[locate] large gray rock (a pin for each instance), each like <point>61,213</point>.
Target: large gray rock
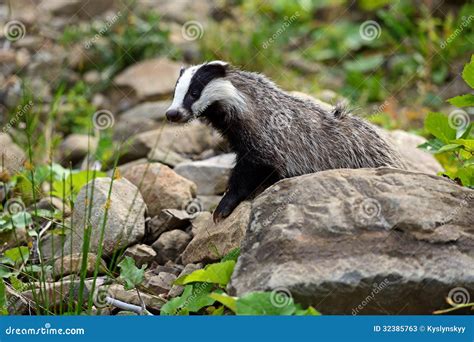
<point>367,241</point>
<point>125,223</point>
<point>151,79</point>
<point>213,241</point>
<point>76,146</point>
<point>210,175</point>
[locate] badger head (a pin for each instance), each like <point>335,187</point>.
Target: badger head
<point>200,86</point>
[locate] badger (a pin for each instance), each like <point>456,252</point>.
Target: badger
<point>274,134</point>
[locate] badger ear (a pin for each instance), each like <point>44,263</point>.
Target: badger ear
<point>218,68</point>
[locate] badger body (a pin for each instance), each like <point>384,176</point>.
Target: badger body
<point>274,134</point>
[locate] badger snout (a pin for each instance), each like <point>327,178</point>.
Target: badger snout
<point>174,115</point>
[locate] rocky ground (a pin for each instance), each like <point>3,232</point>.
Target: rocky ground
<point>344,241</point>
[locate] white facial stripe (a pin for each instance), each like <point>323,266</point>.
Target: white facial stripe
<point>183,86</point>
<point>219,90</point>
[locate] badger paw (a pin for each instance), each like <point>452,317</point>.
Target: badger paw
<point>223,210</point>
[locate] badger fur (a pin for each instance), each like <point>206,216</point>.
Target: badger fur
<point>274,134</point>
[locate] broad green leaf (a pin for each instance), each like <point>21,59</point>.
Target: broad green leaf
<point>75,181</point>
<point>230,302</point>
<point>462,100</point>
<point>467,143</point>
<point>438,125</point>
<point>5,272</point>
<point>310,311</point>
<point>219,311</point>
<point>264,303</point>
<point>3,298</point>
<point>131,274</point>
<point>194,298</point>
<point>449,147</point>
<point>432,145</point>
<point>468,73</point>
<point>232,255</point>
<point>18,254</point>
<point>218,273</point>
<point>464,174</point>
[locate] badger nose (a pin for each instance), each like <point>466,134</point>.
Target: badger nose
<point>173,115</point>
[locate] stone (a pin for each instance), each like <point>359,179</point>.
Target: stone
<point>210,175</point>
<point>167,219</point>
<point>335,238</point>
<point>148,110</point>
<point>71,264</point>
<point>13,238</point>
<point>53,203</point>
<point>415,158</point>
<point>170,245</point>
<point>125,129</point>
<point>161,187</point>
<point>151,79</point>
<point>213,241</point>
<point>169,157</point>
<point>12,156</point>
<point>117,291</point>
<point>189,139</point>
<point>83,8</point>
<point>208,202</point>
<point>125,223</point>
<point>160,284</point>
<point>142,254</point>
<point>76,146</point>
<point>177,290</point>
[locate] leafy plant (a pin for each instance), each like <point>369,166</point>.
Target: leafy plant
<point>205,287</point>
<point>131,274</point>
<point>453,141</point>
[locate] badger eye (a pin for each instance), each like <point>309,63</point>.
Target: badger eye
<point>194,93</point>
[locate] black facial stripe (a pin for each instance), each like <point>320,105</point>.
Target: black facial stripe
<point>200,80</point>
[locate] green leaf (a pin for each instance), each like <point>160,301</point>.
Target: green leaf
<point>218,273</point>
<point>131,274</point>
<point>466,100</point>
<point>464,174</point>
<point>5,272</point>
<point>194,298</point>
<point>438,125</point>
<point>232,255</point>
<point>18,254</point>
<point>467,143</point>
<point>449,147</point>
<point>75,181</point>
<point>264,303</point>
<point>310,311</point>
<point>432,145</point>
<point>3,298</point>
<point>228,301</point>
<point>468,73</point>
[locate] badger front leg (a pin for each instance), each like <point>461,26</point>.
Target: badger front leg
<point>245,180</point>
